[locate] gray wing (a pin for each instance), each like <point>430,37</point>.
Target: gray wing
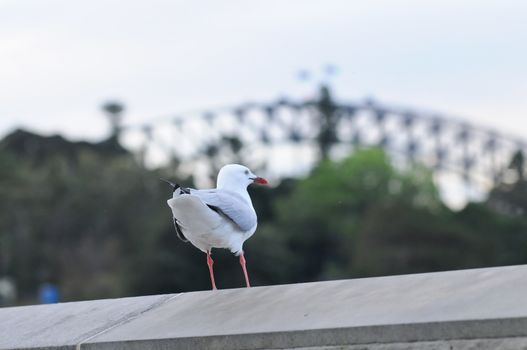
<point>230,204</point>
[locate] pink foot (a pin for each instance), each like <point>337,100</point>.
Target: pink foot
<point>210,262</point>
<point>243,263</point>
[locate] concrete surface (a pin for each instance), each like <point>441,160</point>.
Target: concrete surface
<point>480,344</point>
<point>467,309</point>
<point>67,324</point>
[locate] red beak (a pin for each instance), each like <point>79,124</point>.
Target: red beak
<point>260,180</point>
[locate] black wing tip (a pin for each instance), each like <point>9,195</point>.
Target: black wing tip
<point>174,185</point>
<point>179,231</point>
<point>216,209</point>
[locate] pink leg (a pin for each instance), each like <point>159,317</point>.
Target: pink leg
<point>243,263</point>
<point>210,262</point>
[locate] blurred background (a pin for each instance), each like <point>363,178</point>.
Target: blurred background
<point>393,133</point>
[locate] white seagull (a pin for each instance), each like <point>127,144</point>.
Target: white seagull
<point>223,217</point>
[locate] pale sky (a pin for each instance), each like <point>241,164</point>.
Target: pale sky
<point>60,59</point>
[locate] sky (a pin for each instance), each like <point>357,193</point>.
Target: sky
<point>61,59</point>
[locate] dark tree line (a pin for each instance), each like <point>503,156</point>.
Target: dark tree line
<point>92,220</point>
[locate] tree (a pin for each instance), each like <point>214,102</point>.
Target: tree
<point>510,198</point>
<point>362,217</point>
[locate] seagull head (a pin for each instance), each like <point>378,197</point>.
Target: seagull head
<point>234,176</point>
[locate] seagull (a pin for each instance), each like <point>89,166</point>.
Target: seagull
<point>223,217</point>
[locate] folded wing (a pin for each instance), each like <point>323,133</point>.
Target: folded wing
<point>232,205</point>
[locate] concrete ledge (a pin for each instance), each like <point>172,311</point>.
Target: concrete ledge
<point>476,309</point>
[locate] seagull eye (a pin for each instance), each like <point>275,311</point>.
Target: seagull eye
<point>246,172</point>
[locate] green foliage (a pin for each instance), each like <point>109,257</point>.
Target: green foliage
<point>99,227</point>
<point>326,214</point>
<point>82,226</point>
<point>363,217</point>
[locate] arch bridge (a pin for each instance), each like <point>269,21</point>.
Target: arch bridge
<point>286,137</point>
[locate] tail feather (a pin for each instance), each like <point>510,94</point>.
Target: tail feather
<point>174,185</point>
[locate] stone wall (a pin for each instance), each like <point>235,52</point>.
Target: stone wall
<point>467,309</point>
